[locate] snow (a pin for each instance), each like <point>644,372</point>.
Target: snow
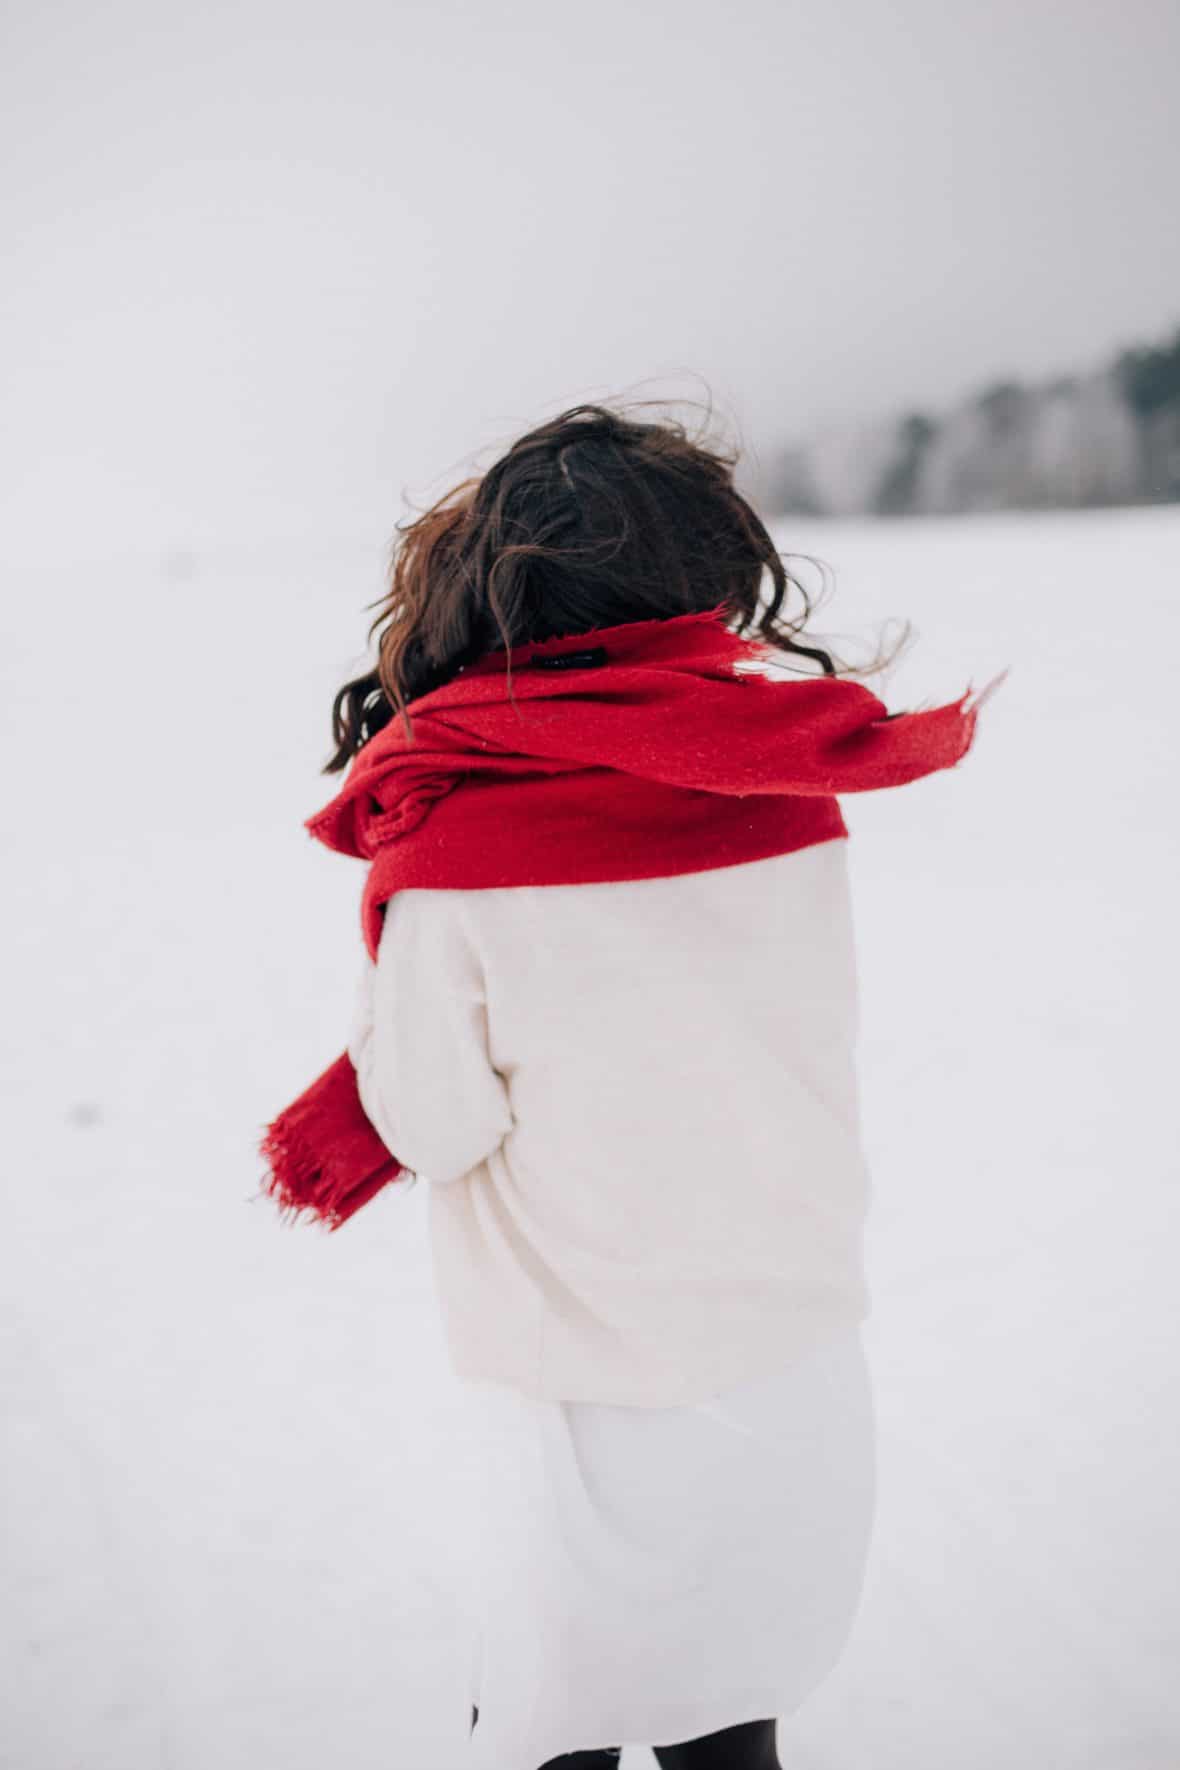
<point>233,1451</point>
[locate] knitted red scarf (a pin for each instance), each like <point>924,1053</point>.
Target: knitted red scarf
<point>625,752</point>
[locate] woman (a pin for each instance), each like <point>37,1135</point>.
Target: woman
<point>609,1014</point>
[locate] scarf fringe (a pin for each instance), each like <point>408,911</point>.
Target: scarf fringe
<point>326,1161</point>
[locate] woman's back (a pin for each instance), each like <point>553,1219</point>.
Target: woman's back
<point>635,1103</point>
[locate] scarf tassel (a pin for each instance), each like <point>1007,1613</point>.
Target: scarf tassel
<point>325,1159</point>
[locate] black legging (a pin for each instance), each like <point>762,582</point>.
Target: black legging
<point>748,1746</point>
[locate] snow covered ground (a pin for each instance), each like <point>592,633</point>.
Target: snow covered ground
<point>228,1504</point>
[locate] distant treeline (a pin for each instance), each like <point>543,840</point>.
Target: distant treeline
<point>1108,437</point>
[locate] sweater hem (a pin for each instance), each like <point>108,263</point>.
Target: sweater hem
<point>660,1392</point>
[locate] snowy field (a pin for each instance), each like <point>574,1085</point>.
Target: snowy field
<point>233,1454</point>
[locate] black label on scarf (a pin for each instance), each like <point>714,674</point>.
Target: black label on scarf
<point>569,660</point>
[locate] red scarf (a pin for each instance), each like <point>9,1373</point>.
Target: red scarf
<point>625,752</point>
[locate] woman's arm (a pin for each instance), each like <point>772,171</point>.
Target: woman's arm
<point>419,1041</point>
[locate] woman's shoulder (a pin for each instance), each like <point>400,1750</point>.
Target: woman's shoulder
<point>814,874</point>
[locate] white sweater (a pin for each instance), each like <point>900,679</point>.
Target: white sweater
<point>636,1107</point>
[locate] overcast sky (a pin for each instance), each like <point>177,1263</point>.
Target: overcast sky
<point>271,266</point>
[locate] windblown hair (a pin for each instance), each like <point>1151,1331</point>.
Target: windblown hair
<point>590,520</point>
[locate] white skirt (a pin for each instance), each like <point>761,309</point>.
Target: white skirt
<point>648,1575</point>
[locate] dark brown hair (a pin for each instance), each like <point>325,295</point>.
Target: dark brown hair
<point>590,520</point>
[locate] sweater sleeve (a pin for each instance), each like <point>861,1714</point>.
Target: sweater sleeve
<point>419,1041</point>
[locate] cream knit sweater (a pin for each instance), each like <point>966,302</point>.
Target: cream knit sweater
<point>635,1104</point>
